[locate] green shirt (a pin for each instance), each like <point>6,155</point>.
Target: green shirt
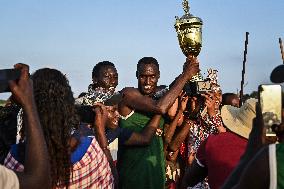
<point>141,166</point>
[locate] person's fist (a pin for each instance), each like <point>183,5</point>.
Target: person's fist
<point>22,90</point>
<point>191,66</point>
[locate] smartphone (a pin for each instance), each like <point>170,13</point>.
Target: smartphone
<point>7,75</point>
<point>203,87</point>
<point>270,98</point>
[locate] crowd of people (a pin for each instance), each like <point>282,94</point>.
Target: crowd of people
<point>150,136</point>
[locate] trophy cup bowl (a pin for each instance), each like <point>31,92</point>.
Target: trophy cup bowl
<point>189,32</point>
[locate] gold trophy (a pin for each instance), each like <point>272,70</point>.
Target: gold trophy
<point>189,32</point>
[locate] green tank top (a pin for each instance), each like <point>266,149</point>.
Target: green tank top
<point>276,166</point>
<point>141,167</point>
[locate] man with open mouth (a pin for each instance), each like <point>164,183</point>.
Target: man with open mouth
<point>141,165</point>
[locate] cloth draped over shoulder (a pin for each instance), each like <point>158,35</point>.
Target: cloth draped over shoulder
<point>141,166</point>
<point>94,96</point>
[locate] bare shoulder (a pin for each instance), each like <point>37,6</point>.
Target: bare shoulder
<point>131,93</point>
<point>129,90</point>
<point>128,94</point>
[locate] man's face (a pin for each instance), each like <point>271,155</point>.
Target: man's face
<point>107,77</point>
<point>234,101</point>
<point>148,76</point>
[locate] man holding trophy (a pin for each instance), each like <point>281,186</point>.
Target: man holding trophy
<point>207,120</point>
<point>142,165</point>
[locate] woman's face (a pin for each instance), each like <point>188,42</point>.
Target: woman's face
<point>192,108</point>
<point>113,117</point>
<point>193,103</point>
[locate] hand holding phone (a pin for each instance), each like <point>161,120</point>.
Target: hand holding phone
<point>7,75</point>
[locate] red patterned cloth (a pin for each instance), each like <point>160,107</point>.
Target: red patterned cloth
<point>183,151</point>
<point>11,163</point>
<point>92,171</point>
<point>201,129</point>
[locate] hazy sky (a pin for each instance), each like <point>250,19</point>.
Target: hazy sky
<point>73,35</point>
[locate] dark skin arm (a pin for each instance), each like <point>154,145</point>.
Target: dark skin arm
<point>133,99</point>
<point>142,138</point>
<point>193,175</point>
<point>170,129</point>
<point>37,169</point>
<point>180,136</point>
<point>172,126</point>
<point>145,136</point>
<point>256,174</point>
<point>100,124</point>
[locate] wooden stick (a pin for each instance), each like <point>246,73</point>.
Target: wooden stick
<point>244,70</point>
<point>281,49</point>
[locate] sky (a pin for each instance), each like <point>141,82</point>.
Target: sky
<point>73,35</point>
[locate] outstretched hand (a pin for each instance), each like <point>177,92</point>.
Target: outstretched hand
<point>22,90</point>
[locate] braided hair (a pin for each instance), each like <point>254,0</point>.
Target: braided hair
<point>55,104</point>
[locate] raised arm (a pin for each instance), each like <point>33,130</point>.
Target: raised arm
<point>37,169</point>
<point>133,99</point>
<point>180,136</point>
<point>172,126</point>
<point>191,68</point>
<point>100,124</point>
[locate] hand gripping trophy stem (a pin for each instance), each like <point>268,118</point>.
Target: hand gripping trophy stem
<point>189,33</point>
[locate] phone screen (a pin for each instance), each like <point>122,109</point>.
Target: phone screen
<point>271,106</point>
<point>5,76</point>
<point>203,86</point>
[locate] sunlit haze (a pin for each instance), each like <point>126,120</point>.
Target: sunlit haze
<point>73,36</point>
